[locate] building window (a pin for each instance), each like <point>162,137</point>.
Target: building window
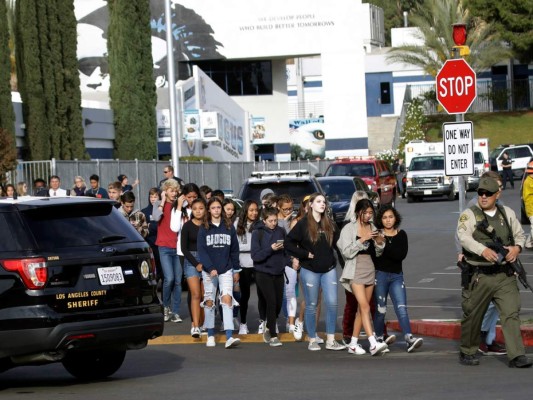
<point>240,78</point>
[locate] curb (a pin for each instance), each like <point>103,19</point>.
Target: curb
<point>452,330</point>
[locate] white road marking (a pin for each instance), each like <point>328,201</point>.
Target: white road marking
<point>426,280</point>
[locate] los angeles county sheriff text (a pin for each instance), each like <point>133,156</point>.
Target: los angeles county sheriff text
<point>88,301</point>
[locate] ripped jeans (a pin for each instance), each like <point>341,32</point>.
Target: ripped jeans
<point>312,283</point>
<point>225,286</point>
<point>390,283</point>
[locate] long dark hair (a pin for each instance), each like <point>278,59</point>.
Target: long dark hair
<point>223,217</point>
<point>326,224</point>
<point>243,217</point>
<point>185,190</point>
<point>361,206</point>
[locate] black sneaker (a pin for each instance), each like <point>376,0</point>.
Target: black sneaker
<point>520,362</point>
<point>414,343</point>
<point>467,359</point>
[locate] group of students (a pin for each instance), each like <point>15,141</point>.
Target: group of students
<point>220,253</point>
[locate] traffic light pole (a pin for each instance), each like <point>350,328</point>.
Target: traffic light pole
<point>460,178</point>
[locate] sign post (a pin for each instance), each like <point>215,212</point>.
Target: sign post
<point>458,148</point>
<point>456,91</point>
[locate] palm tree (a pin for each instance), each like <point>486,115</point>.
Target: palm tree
<point>434,19</point>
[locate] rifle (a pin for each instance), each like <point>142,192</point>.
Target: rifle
<point>497,245</point>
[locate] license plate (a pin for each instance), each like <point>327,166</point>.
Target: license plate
<point>111,275</point>
<point>428,192</point>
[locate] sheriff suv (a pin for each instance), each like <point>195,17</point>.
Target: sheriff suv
<point>77,285</point>
<point>295,183</point>
<point>377,174</point>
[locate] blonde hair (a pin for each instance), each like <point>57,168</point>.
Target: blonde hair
<point>20,189</point>
<point>79,178</point>
<point>170,184</point>
<point>358,195</point>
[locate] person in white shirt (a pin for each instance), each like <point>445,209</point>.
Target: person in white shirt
<point>54,187</point>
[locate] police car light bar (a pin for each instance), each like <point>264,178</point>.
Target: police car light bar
<point>295,172</point>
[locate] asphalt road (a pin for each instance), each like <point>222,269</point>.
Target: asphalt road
<point>256,371</point>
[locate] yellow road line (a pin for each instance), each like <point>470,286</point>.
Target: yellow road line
<point>221,338</point>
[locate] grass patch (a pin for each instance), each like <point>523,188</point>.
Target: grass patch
<point>499,128</point>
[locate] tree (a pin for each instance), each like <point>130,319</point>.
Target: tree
<point>412,127</point>
<point>512,19</point>
<point>48,80</point>
<point>434,20</point>
<point>8,151</point>
<point>30,80</point>
<point>132,89</point>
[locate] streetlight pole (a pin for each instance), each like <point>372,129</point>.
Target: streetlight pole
<point>174,134</point>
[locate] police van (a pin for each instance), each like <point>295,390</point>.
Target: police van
<point>520,155</point>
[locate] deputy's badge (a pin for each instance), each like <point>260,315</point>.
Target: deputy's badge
<point>463,218</point>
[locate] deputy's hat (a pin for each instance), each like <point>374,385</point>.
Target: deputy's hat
<point>529,168</point>
<point>489,184</point>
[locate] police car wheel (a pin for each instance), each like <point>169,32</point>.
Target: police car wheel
<point>91,365</point>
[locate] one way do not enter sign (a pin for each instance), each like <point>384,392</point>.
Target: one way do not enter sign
<point>456,86</point>
<point>458,148</point>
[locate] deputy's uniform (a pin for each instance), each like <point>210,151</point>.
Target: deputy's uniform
<point>490,281</point>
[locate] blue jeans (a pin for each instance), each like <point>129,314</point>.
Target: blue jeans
<point>389,283</point>
<point>312,283</point>
<point>172,274</point>
<point>490,319</point>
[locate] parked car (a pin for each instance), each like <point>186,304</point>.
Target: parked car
<point>77,285</point>
<point>339,191</point>
<point>295,183</point>
<point>520,155</point>
<point>377,174</point>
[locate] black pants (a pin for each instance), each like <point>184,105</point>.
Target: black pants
<point>271,288</point>
<point>507,174</point>
<point>245,281</point>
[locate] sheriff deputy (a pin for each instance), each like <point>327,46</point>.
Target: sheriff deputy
<point>491,280</point>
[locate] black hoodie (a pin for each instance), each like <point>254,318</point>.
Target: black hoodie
<point>265,259</point>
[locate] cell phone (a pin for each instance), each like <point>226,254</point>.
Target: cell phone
<point>280,241</point>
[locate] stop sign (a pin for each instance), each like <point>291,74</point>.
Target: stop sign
<point>456,86</point>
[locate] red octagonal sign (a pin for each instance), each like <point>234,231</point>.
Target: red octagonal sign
<point>456,86</point>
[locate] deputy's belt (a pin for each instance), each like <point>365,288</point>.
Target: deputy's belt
<point>492,269</point>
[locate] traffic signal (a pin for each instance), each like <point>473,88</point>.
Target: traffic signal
<point>459,38</point>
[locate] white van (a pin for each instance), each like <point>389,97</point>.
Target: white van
<point>520,155</point>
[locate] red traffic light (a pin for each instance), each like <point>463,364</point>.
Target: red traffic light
<point>459,34</point>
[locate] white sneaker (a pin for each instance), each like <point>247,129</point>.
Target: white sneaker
<point>261,328</point>
<point>313,346</point>
<point>175,318</point>
<point>298,330</point>
<point>232,342</point>
<point>378,349</point>
<point>274,342</point>
<point>335,346</point>
<point>319,340</point>
<point>167,314</point>
<point>243,329</point>
<point>356,348</point>
<point>210,341</point>
<point>195,332</point>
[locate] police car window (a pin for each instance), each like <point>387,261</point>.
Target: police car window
<point>12,235</point>
<point>77,225</point>
<point>522,152</point>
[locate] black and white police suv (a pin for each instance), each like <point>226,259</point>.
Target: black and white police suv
<point>77,285</point>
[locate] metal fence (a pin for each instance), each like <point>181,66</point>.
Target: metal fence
<point>227,176</point>
<point>504,95</point>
